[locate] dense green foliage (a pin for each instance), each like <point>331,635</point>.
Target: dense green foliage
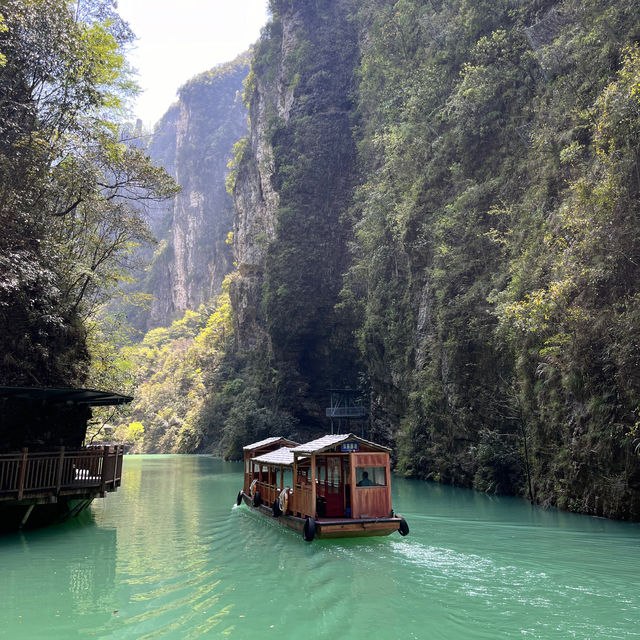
<point>67,182</point>
<point>189,395</point>
<point>171,369</point>
<point>450,199</point>
<point>491,283</point>
<point>498,243</point>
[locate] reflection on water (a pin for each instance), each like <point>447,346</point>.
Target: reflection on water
<point>50,576</point>
<point>170,556</point>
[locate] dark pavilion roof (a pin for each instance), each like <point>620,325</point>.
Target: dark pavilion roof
<point>55,395</point>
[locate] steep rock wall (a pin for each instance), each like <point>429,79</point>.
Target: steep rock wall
<point>255,198</point>
<point>497,334</point>
<point>194,142</point>
<point>293,189</point>
<point>492,343</point>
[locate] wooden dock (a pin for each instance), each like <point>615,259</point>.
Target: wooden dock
<point>68,480</point>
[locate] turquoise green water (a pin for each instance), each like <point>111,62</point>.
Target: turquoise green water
<point>169,556</point>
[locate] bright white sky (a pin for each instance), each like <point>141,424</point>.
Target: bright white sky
<point>177,40</point>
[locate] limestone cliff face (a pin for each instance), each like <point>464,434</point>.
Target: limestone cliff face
<point>255,198</point>
<point>194,142</point>
<point>293,189</point>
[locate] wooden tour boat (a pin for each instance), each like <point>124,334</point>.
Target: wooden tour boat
<point>337,486</point>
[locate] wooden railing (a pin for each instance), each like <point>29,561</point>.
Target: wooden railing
<point>31,474</point>
<point>300,500</point>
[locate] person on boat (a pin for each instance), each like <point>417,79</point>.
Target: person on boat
<point>365,482</point>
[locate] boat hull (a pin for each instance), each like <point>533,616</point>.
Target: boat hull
<point>327,528</point>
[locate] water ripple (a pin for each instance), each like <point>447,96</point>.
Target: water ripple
<point>170,556</point>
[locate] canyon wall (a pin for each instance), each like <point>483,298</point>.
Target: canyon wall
<point>194,142</point>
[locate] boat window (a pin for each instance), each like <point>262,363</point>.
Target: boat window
<point>304,474</point>
<point>288,481</point>
<point>371,477</point>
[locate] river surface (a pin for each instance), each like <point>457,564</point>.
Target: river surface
<point>171,556</point>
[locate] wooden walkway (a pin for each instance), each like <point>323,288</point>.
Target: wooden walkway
<point>40,476</point>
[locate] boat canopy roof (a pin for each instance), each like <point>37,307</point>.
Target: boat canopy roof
<point>328,442</point>
<point>269,441</point>
<point>59,395</point>
<point>282,457</point>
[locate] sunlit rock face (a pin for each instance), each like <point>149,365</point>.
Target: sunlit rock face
<point>194,142</point>
<point>255,198</point>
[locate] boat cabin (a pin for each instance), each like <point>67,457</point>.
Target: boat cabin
<point>337,478</point>
<point>270,477</point>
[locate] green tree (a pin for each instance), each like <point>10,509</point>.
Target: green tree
<point>69,187</point>
<point>135,433</point>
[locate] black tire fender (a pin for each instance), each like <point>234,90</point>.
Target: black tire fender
<point>403,528</point>
<point>309,530</point>
<point>275,509</point>
<point>257,499</point>
<point>239,498</point>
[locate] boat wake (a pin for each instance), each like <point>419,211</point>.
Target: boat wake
<point>471,573</point>
<point>504,590</point>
